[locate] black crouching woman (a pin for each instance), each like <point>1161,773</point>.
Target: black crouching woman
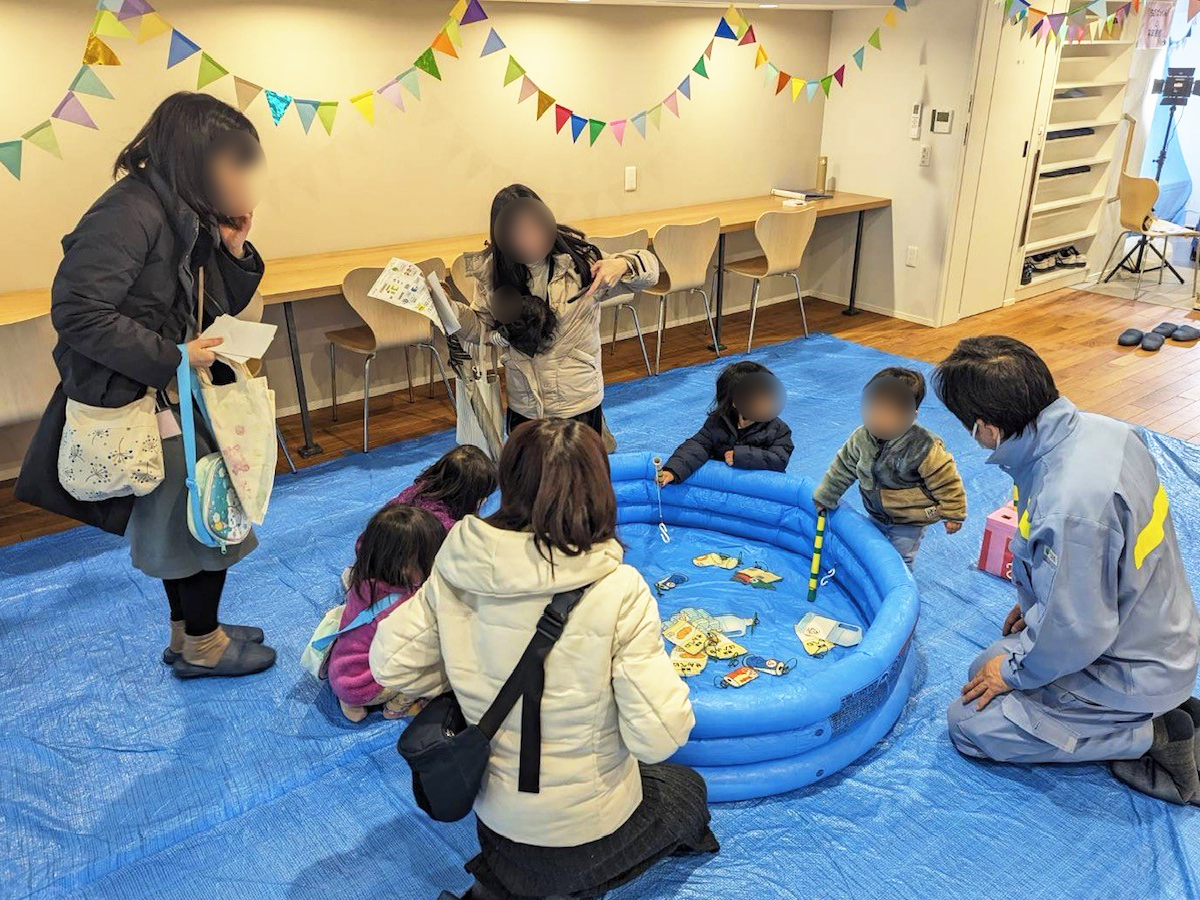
<point>123,298</point>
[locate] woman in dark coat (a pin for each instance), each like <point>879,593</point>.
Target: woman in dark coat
<point>123,299</point>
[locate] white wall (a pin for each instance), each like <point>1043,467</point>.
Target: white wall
<point>928,57</point>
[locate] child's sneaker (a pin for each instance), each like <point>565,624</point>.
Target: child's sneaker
<point>1070,258</point>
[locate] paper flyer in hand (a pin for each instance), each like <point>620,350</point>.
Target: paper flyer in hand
<point>402,284</point>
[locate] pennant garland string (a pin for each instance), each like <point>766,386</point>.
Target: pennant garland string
<point>1090,20</point>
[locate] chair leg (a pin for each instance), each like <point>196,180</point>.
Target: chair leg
<point>800,298</point>
<point>637,326</point>
<point>412,398</point>
<point>1118,243</point>
<point>662,326</point>
<point>1141,270</point>
<point>367,401</point>
<point>287,454</point>
<point>616,321</point>
<point>753,313</point>
<point>712,328</point>
<point>333,382</point>
<point>436,359</point>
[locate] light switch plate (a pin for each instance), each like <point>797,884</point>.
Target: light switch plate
<point>631,178</point>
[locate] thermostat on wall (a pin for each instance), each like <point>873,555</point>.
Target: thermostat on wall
<point>943,121</point>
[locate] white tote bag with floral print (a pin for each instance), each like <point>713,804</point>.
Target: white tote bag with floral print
<point>106,453</point>
<point>243,422</point>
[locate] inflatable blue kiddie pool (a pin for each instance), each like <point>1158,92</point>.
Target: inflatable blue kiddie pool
<point>774,734</point>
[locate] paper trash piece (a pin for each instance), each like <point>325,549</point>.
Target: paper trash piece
<point>820,634</point>
<point>757,578</point>
<point>738,678</point>
<point>720,560</point>
<point>701,618</point>
<point>687,664</point>
<point>670,582</point>
<point>721,647</point>
<point>403,284</point>
<point>242,340</point>
<point>734,625</point>
<point>686,636</point>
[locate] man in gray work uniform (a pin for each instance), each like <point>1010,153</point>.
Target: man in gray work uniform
<point>1098,658</point>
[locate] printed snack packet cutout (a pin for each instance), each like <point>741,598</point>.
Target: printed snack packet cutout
<point>735,626</point>
<point>720,560</point>
<point>820,634</point>
<point>768,666</point>
<point>687,664</point>
<point>686,636</point>
<point>757,578</point>
<point>739,677</point>
<point>701,618</point>
<point>670,582</point>
<point>721,647</point>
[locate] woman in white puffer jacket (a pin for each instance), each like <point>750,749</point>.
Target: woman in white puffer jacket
<point>613,706</point>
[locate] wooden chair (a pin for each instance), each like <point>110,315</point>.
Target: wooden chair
<point>386,327</point>
<point>783,237</point>
<point>1137,197</point>
<point>683,253</point>
<point>637,240</point>
<point>254,313</point>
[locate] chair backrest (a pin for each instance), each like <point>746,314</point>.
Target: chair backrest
<point>391,325</point>
<point>684,252</point>
<point>783,236</point>
<point>635,240</point>
<point>1137,195</point>
<point>465,283</point>
<point>254,309</point>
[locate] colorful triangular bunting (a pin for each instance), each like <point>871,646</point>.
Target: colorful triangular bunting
<point>450,29</point>
<point>654,114</point>
<point>98,53</point>
<point>443,44</point>
<point>246,92</point>
<point>427,64</point>
<point>760,57</point>
<point>43,136</point>
<point>562,116</point>
<point>458,10</point>
<point>528,89</point>
<point>365,104</point>
<point>812,87</point>
<point>392,94</point>
<point>113,5</point>
<point>797,88</point>
<point>545,101</point>
<point>88,82</point>
<point>473,14</point>
<point>151,26</point>
<point>595,128</point>
<point>279,104</point>
<point>781,82</point>
<point>889,18</point>
<point>639,122</point>
<point>307,111</point>
<point>617,128</point>
<point>10,158</point>
<point>181,48</point>
<point>903,7</point>
<point>131,9</point>
<point>513,72</point>
<point>826,84</point>
<point>840,76</point>
<point>724,31</point>
<point>748,37</point>
<point>700,69</point>
<point>858,56</point>
<point>493,44</point>
<point>671,102</point>
<point>685,87</point>
<point>708,50</point>
<point>578,123</point>
<point>210,71</point>
<point>325,112</point>
<point>69,109</point>
<point>106,24</point>
<point>874,40</point>
<point>411,82</point>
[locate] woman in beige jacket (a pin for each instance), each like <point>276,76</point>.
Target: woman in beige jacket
<point>613,706</point>
<point>539,288</point>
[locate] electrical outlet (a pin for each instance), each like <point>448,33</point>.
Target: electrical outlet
<point>631,178</point>
<point>926,155</point>
<point>910,258</point>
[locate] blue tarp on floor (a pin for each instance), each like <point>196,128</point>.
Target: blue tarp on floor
<point>116,780</point>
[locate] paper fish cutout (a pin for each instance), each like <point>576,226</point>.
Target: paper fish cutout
<point>721,647</point>
<point>670,582</point>
<point>701,618</point>
<point>687,664</point>
<point>720,560</point>
<point>739,677</point>
<point>815,646</point>
<point>686,636</point>
<point>768,666</point>
<point>757,578</point>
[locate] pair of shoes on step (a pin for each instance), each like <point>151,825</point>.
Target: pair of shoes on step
<point>1153,340</point>
<point>245,655</point>
<point>1170,771</point>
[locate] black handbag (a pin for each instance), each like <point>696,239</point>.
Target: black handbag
<point>448,757</point>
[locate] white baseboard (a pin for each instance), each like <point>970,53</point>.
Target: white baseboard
<point>870,307</point>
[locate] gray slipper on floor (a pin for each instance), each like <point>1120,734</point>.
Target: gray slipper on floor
<point>1153,341</point>
<point>239,658</point>
<point>1130,337</point>
<point>1185,334</point>
<point>1166,329</point>
<point>236,632</point>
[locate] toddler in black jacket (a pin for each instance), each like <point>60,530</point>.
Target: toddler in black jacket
<point>743,428</point>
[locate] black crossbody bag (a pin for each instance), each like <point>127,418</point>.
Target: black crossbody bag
<point>448,757</point>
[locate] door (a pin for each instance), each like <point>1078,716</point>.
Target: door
<point>1014,81</point>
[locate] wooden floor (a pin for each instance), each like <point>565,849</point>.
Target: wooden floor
<point>1074,331</point>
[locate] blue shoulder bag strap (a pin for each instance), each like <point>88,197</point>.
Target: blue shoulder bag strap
<point>187,424</point>
<point>363,618</point>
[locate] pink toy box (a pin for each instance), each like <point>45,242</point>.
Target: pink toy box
<point>995,556</point>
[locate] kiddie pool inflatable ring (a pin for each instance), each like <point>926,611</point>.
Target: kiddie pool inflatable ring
<point>776,733</point>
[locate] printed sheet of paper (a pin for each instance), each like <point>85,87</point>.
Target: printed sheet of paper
<point>402,284</point>
<point>242,340</point>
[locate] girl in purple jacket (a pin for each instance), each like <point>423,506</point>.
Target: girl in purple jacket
<point>393,556</point>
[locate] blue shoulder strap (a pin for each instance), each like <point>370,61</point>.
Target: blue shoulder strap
<point>365,617</point>
<point>187,424</point>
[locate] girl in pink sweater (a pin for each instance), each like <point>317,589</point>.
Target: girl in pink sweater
<point>393,557</point>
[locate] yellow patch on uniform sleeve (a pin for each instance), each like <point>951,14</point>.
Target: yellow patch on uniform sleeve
<point>1154,532</point>
<point>1023,525</point>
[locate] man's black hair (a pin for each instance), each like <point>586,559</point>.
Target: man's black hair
<point>176,141</point>
<point>914,379</point>
<point>997,380</point>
